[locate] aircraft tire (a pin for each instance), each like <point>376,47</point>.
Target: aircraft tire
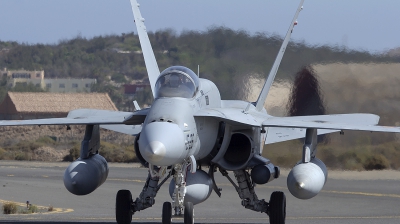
<point>123,211</point>
<point>188,217</point>
<point>277,208</point>
<point>167,213</point>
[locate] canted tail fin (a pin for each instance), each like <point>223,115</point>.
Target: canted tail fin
<point>150,60</point>
<point>268,83</point>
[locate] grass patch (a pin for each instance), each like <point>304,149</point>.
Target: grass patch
<point>10,208</point>
<point>363,155</point>
<point>16,208</point>
<point>23,150</point>
<point>111,152</point>
<point>33,209</point>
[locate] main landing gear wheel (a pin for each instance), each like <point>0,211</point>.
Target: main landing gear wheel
<point>167,213</point>
<point>123,211</point>
<point>188,217</point>
<point>277,208</point>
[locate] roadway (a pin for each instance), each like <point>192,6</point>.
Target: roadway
<point>348,197</point>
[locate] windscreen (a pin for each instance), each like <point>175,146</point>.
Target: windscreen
<point>177,81</point>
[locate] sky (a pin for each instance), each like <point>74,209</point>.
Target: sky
<point>355,24</point>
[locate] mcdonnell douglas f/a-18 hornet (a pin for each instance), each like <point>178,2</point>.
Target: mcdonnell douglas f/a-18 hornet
<point>188,127</point>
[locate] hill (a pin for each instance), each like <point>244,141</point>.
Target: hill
<point>350,80</point>
<point>224,56</point>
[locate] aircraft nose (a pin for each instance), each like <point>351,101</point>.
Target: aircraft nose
<point>162,143</point>
<point>156,150</point>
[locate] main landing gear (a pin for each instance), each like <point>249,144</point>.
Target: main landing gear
<point>123,210</point>
<point>276,208</point>
<point>126,207</point>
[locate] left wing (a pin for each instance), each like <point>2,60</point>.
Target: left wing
<point>287,128</point>
<point>318,123</point>
<point>275,134</point>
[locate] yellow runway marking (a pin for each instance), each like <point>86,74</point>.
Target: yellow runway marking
<point>127,180</point>
<point>344,217</point>
<point>284,188</point>
<point>248,218</point>
<point>363,194</point>
<point>55,210</point>
<point>10,175</point>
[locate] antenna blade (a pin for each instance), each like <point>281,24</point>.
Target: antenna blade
<point>150,60</point>
<point>268,83</point>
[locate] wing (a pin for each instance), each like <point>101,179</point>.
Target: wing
<point>275,134</point>
<point>234,116</point>
<point>85,117</point>
<point>358,122</point>
<point>280,134</point>
<point>122,128</point>
<point>287,128</point>
<point>150,60</point>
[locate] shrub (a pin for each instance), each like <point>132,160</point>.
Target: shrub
<point>21,156</point>
<point>119,78</point>
<point>116,153</point>
<point>376,162</point>
<point>10,208</point>
<point>74,153</point>
<point>33,209</point>
<point>2,153</point>
<point>46,140</point>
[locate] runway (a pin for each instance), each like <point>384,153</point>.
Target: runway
<point>348,197</point>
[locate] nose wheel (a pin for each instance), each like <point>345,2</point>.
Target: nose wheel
<point>123,210</point>
<point>188,217</point>
<point>277,208</point>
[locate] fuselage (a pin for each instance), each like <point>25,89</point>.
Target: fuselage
<point>171,132</point>
<point>176,128</point>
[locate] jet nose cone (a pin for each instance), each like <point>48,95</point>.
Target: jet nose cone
<point>155,151</point>
<point>300,185</point>
<point>162,144</point>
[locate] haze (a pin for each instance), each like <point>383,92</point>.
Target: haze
<point>364,25</point>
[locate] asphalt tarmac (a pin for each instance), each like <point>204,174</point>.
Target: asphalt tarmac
<point>348,197</point>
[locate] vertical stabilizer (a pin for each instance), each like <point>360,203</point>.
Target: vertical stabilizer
<point>267,85</point>
<point>150,60</point>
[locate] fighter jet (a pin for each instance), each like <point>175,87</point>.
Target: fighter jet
<point>189,128</point>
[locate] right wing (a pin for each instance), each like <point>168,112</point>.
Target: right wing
<point>149,59</point>
<point>124,129</point>
<point>86,117</point>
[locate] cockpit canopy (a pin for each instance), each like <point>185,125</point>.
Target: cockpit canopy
<point>177,81</point>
